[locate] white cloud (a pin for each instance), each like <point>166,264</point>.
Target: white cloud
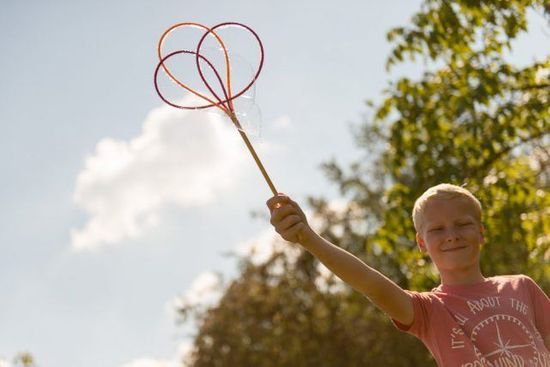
<point>180,359</point>
<point>205,290</point>
<point>187,158</point>
<point>266,243</point>
<point>184,353</point>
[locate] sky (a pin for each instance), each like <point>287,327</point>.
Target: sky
<point>116,208</point>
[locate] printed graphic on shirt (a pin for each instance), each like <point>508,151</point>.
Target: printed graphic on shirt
<point>517,347</point>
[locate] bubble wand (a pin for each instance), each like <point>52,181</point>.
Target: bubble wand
<point>225,104</point>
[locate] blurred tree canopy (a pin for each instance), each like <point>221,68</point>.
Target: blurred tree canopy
<point>22,359</point>
<point>472,119</point>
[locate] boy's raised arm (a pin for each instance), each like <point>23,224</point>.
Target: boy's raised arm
<point>290,222</point>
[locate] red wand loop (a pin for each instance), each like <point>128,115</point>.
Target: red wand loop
<point>225,102</point>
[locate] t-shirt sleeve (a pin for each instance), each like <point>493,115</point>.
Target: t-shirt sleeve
<point>541,304</point>
<point>422,305</point>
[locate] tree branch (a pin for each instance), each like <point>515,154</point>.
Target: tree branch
<point>486,164</point>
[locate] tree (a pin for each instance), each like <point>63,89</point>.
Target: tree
<point>472,118</point>
<point>22,359</point>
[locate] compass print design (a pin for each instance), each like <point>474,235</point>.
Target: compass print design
<point>508,349</point>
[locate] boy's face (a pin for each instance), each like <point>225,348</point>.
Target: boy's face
<point>451,234</point>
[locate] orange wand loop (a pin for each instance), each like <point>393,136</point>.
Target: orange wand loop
<point>225,102</point>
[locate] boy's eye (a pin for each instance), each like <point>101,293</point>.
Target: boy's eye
<point>465,224</point>
<point>435,229</point>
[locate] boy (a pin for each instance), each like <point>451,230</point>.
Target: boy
<point>468,320</point>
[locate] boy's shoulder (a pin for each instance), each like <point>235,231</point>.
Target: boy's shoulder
<point>497,281</point>
<point>519,279</point>
<point>510,278</point>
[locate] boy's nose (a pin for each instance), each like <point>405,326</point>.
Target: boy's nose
<point>451,235</point>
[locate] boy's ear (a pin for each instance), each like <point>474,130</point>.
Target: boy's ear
<point>420,242</point>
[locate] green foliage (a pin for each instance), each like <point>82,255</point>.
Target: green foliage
<point>473,119</point>
<point>452,31</point>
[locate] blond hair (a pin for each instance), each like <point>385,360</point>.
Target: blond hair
<point>443,191</point>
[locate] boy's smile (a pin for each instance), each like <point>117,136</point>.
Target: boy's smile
<point>452,236</point>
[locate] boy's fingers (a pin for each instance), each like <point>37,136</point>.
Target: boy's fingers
<point>292,233</point>
<point>289,221</point>
<point>272,201</point>
<point>293,203</point>
<point>279,213</point>
<point>296,206</point>
<point>276,201</point>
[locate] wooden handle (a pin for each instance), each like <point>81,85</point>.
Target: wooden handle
<point>253,152</point>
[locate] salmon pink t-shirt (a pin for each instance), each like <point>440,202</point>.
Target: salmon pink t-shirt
<point>500,322</point>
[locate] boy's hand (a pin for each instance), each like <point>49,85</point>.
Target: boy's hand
<point>288,219</point>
